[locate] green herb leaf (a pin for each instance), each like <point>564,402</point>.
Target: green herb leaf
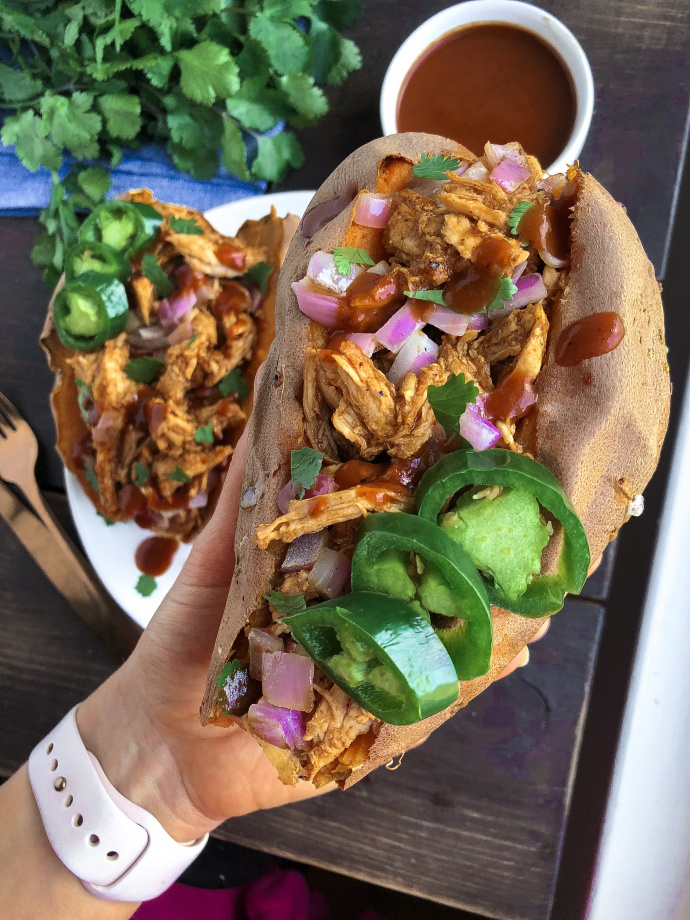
<point>344,256</point>
<point>152,270</point>
<point>204,435</point>
<point>450,400</point>
<point>276,155</point>
<point>305,465</point>
<point>286,603</point>
<point>179,475</point>
<point>146,585</point>
<point>17,85</point>
<point>141,475</point>
<point>34,149</point>
<point>305,97</point>
<point>91,477</point>
<point>282,41</point>
<point>185,225</point>
<point>192,340</point>
<point>233,383</point>
<point>433,296</point>
<point>207,72</point>
<point>143,370</point>
<point>229,668</point>
<point>516,215</point>
<point>122,115</point>
<point>259,274</point>
<point>71,123</point>
<point>435,167</point>
<point>233,152</point>
<point>504,295</point>
<point>95,182</point>
<point>108,522</point>
<point>84,398</point>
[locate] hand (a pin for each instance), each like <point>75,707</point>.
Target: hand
<point>143,723</point>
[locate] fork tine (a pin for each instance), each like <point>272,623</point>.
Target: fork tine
<point>8,410</point>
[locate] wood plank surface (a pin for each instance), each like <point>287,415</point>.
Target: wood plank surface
<point>475,816</point>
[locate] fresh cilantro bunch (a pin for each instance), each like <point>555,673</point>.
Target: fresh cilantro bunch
<point>87,76</point>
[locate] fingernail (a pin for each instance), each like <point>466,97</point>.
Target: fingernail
<point>526,661</point>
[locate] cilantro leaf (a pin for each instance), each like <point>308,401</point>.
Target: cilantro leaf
<point>450,400</point>
<point>516,214</point>
<point>257,106</point>
<point>185,225</point>
<point>233,152</point>
<point>435,167</point>
<point>282,41</point>
<point>91,477</point>
<point>146,585</point>
<point>207,72</point>
<point>348,59</point>
<point>286,603</point>
<point>108,522</point>
<point>71,123</point>
<point>259,274</point>
<point>94,182</point>
<point>122,115</point>
<point>305,465</point>
<point>179,475</point>
<point>141,475</point>
<point>275,155</point>
<point>143,370</point>
<point>152,270</point>
<point>233,383</point>
<point>433,296</point>
<point>34,149</point>
<point>305,97</point>
<point>504,295</point>
<point>204,435</point>
<point>17,85</point>
<point>344,256</point>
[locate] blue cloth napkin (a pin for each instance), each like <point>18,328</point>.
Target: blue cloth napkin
<point>24,192</point>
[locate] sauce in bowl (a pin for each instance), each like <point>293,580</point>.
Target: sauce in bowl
<point>491,82</point>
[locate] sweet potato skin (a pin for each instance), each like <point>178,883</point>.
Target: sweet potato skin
<point>599,426</point>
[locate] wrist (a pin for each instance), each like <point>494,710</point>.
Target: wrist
<point>137,758</point>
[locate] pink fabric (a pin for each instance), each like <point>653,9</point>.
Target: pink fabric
<point>282,894</point>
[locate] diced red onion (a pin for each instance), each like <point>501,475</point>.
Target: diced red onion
<point>462,169</point>
<point>477,430</point>
<point>256,296</point>
<point>418,351</point>
<point>530,289</point>
<point>448,320</point>
<point>323,271</point>
<point>372,210</point>
<point>254,493</point>
<point>477,171</point>
<point>172,311</point>
<point>261,641</point>
<point>200,500</point>
<point>365,340</point>
<point>330,573</point>
<point>286,495</point>
<point>553,183</point>
<point>283,728</point>
<point>323,485</point>
<point>550,259</point>
<point>496,152</point>
<point>148,338</point>
<point>104,429</point>
<point>294,647</point>
<point>478,321</point>
<point>93,415</point>
<point>303,552</point>
<point>288,681</point>
<point>322,308</point>
<point>393,334</point>
<point>181,334</point>
<point>509,175</point>
<point>519,270</point>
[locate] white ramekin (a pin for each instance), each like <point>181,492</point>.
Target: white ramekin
<point>532,18</point>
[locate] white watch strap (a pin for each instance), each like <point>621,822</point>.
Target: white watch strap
<point>116,848</point>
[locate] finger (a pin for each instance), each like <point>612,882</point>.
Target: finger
<point>541,633</point>
<point>520,660</point>
<point>594,566</point>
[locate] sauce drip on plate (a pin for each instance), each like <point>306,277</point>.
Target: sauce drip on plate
<point>155,555</point>
<point>589,337</point>
<point>491,82</point>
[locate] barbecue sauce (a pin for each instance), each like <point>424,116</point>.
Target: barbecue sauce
<point>231,256</point>
<point>589,337</point>
<point>155,555</point>
<point>513,397</point>
<point>491,82</point>
<point>369,302</point>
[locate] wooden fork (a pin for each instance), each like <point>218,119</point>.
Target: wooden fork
<point>52,549</point>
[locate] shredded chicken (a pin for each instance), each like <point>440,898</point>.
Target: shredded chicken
<point>519,333</point>
<point>338,720</point>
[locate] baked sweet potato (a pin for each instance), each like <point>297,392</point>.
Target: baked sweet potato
<point>597,425</point>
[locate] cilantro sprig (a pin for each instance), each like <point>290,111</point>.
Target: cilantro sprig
<point>179,475</point>
<point>505,293</point>
<point>233,383</point>
<point>87,78</point>
<point>146,585</point>
<point>204,435</point>
<point>286,603</point>
<point>516,215</point>
<point>450,400</point>
<point>344,256</point>
<point>305,465</point>
<point>435,166</point>
<point>259,274</point>
<point>433,296</point>
<point>185,225</point>
<point>155,274</point>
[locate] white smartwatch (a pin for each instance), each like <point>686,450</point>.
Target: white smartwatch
<point>117,849</point>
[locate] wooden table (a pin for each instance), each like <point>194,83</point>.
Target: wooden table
<point>476,817</point>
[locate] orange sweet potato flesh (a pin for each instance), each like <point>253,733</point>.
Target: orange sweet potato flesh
<point>601,436</point>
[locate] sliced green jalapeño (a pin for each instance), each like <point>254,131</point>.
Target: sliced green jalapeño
<point>91,256</point>
<point>381,652</point>
<point>90,310</point>
<point>122,225</point>
<point>495,467</point>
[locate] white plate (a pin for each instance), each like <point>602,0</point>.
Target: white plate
<point>111,549</point>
